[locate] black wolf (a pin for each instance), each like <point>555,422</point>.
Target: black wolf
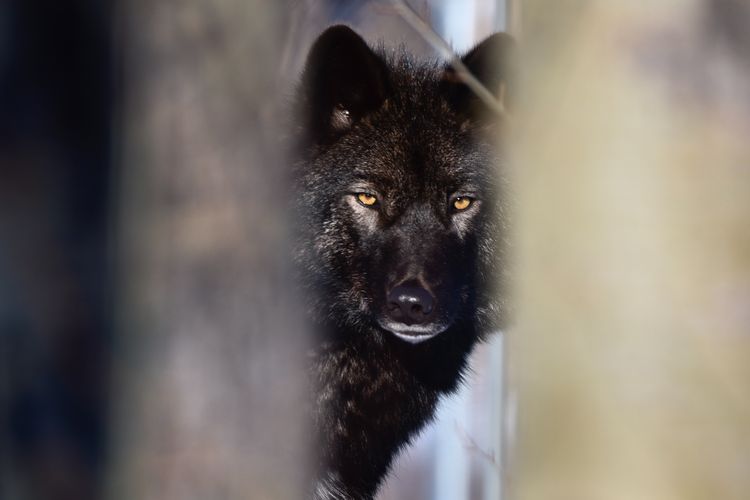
<point>399,244</point>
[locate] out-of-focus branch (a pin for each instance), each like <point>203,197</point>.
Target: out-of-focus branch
<point>444,49</point>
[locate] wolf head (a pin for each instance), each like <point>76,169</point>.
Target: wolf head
<point>399,197</point>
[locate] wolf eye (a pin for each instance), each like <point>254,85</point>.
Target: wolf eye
<point>367,199</point>
<point>462,203</point>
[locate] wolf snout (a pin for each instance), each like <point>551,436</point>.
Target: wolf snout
<point>410,304</point>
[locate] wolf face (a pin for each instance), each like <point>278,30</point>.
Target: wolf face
<point>401,199</point>
<point>399,242</point>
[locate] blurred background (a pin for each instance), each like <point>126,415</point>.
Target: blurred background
<point>148,346</point>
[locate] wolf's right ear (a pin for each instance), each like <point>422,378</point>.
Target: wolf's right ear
<point>493,63</point>
<point>343,81</point>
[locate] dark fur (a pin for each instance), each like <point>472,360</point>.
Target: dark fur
<point>414,134</point>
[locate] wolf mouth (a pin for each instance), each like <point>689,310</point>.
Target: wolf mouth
<point>414,334</point>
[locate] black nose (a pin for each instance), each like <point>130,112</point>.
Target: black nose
<point>410,304</point>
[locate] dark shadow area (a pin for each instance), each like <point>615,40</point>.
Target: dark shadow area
<point>56,110</point>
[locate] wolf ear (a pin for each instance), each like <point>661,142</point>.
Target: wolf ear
<point>343,81</point>
<point>492,62</point>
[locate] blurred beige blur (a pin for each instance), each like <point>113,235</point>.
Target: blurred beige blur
<point>631,360</point>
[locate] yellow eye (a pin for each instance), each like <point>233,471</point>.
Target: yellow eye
<point>366,199</point>
<point>462,203</point>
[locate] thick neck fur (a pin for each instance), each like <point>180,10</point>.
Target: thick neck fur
<point>374,393</point>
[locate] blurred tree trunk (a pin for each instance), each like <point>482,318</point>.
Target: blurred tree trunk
<point>213,379</point>
<point>632,359</point>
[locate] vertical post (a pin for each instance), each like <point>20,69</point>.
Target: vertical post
<point>632,355</point>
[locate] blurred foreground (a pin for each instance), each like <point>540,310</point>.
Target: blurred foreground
<point>631,360</point>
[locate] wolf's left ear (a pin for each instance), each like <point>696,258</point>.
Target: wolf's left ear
<point>493,63</point>
<point>343,81</point>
